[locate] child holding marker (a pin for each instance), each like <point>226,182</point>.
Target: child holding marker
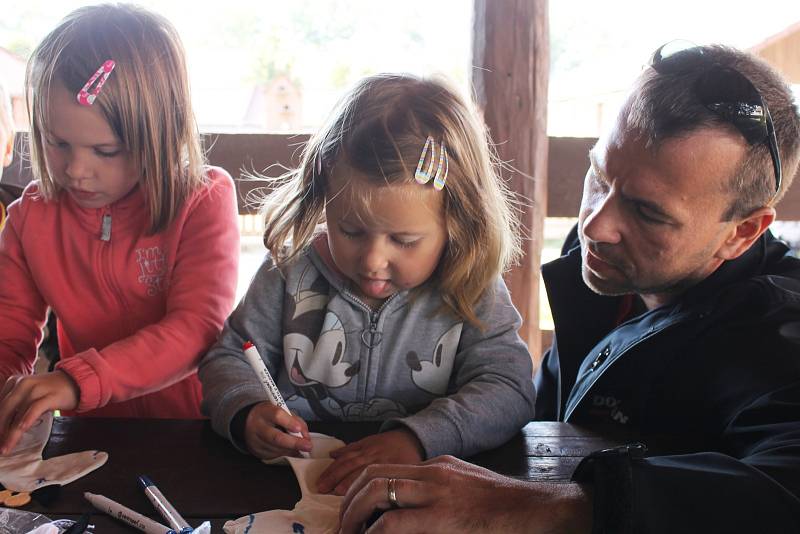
<point>125,233</point>
<point>381,296</point>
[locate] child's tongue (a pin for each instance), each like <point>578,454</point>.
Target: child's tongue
<point>375,288</point>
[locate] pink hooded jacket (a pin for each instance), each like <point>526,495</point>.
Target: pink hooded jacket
<point>135,311</point>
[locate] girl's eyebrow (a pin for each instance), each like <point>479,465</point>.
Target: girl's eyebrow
<point>104,144</point>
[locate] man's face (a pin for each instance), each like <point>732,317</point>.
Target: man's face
<point>650,221</point>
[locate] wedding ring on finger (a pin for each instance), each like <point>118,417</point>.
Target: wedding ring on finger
<point>392,493</point>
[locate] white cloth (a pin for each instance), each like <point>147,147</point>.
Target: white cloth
<point>315,513</point>
<point>24,470</point>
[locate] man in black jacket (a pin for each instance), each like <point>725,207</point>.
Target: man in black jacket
<point>677,318</point>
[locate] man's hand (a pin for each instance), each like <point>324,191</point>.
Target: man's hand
<point>399,446</point>
<point>24,398</point>
<point>449,495</point>
<point>264,434</point>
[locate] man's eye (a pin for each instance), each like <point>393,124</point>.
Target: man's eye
<point>649,216</point>
<point>599,185</point>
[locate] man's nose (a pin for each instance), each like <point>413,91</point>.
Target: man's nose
<point>602,221</point>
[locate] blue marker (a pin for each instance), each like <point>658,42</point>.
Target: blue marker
<point>163,506</point>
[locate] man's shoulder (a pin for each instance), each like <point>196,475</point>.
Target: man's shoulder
<point>764,299</point>
<point>776,287</point>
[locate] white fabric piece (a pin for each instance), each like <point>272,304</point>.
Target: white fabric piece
<point>49,528</point>
<point>24,470</point>
<point>315,513</point>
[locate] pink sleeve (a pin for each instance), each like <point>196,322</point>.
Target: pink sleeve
<point>201,294</point>
<point>22,309</point>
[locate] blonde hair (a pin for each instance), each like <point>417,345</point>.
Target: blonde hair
<point>379,128</point>
<point>145,100</point>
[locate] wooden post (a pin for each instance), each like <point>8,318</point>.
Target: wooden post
<point>510,67</point>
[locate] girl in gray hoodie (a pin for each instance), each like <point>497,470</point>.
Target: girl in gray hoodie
<point>381,296</point>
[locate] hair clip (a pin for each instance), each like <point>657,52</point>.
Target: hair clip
<point>422,176</point>
<point>85,97</point>
<point>318,165</point>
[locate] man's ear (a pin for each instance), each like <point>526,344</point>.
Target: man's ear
<point>745,232</point>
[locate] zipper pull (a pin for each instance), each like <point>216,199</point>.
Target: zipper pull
<point>372,332</point>
<point>105,233</point>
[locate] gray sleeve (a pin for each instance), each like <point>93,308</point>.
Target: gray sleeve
<point>229,383</point>
<point>491,388</point>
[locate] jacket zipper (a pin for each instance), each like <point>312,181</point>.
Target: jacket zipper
<point>372,331</point>
<point>374,316</point>
<point>105,231</point>
<point>107,261</point>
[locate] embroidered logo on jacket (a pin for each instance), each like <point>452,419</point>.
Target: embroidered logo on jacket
<point>152,269</point>
<point>611,406</point>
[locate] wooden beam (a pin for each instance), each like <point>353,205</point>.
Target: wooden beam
<point>269,154</point>
<point>569,160</point>
<point>510,68</point>
<point>566,166</point>
<point>242,155</point>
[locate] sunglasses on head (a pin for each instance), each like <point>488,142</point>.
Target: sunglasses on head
<point>727,93</point>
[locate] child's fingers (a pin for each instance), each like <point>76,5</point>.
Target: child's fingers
<point>35,409</point>
<point>14,431</point>
<point>13,400</point>
<point>350,447</point>
<point>266,451</point>
<point>17,429</point>
<point>289,421</point>
<point>263,443</point>
<point>339,471</point>
<point>344,485</point>
<point>303,426</point>
<point>277,438</point>
<point>9,385</point>
<point>26,415</point>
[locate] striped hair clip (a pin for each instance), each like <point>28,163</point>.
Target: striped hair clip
<point>87,94</point>
<point>424,176</point>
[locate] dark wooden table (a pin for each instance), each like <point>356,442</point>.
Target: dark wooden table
<point>205,478</point>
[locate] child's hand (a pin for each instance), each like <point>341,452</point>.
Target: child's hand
<point>399,446</point>
<point>24,398</point>
<point>265,440</point>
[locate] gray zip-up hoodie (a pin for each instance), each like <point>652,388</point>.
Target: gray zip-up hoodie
<point>460,390</point>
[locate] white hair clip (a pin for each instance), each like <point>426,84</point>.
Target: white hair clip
<point>422,176</point>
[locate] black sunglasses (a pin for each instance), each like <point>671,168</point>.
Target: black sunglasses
<point>727,93</point>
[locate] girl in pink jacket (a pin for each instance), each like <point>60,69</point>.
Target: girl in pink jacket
<point>124,233</point>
